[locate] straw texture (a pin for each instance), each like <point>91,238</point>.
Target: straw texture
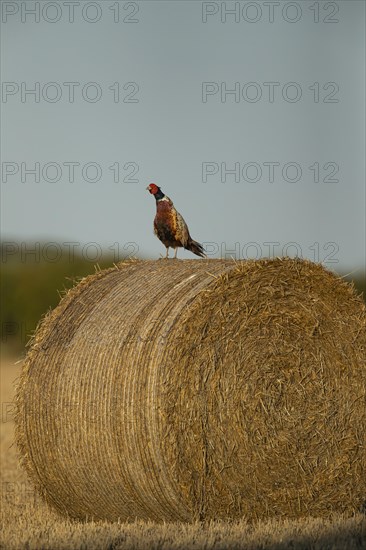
<point>177,390</point>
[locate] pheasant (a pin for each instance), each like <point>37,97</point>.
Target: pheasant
<point>170,227</point>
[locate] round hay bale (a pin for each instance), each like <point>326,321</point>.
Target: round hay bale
<point>177,390</point>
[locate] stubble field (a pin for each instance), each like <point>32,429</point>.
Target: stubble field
<point>27,522</point>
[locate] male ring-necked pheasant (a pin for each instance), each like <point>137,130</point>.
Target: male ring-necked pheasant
<point>170,227</point>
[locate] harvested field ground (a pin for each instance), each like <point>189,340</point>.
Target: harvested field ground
<point>27,522</point>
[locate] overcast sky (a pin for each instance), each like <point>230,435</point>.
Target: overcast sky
<point>249,115</point>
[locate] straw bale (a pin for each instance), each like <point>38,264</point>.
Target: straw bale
<point>200,389</point>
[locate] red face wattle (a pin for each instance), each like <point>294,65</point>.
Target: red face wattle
<point>152,188</point>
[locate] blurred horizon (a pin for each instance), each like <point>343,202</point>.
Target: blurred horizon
<point>33,283</point>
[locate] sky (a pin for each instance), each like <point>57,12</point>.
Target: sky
<point>249,115</point>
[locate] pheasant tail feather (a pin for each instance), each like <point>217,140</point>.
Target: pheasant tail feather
<point>196,248</point>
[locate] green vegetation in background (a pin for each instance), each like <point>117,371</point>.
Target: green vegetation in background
<point>29,288</point>
<point>31,285</point>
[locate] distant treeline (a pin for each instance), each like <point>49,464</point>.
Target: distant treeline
<point>32,279</point>
<point>33,276</point>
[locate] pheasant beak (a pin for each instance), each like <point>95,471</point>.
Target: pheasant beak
<point>148,188</point>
